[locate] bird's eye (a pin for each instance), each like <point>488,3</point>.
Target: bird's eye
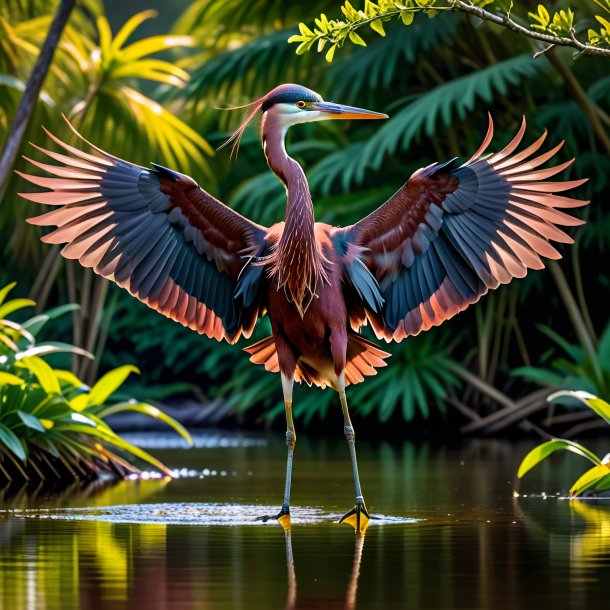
<point>300,104</point>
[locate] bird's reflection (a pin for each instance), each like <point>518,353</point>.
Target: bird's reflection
<point>349,602</point>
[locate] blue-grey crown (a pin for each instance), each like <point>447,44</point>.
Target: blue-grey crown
<point>289,94</point>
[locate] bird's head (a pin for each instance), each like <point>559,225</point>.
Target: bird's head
<point>291,104</point>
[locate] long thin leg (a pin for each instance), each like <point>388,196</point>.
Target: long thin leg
<point>358,516</point>
<point>291,438</point>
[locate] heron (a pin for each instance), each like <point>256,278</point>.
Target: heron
<point>451,233</point>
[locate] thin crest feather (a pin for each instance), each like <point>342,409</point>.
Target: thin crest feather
<point>237,135</point>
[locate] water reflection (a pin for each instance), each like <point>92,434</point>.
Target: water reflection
<point>352,588</point>
<point>479,547</point>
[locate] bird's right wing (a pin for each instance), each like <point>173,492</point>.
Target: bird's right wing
<point>156,233</point>
<point>453,232</point>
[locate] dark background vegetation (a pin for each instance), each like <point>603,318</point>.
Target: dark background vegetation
<point>437,80</point>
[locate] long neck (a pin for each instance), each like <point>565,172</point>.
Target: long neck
<point>297,261</point>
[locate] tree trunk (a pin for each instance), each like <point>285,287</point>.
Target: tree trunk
<point>32,90</point>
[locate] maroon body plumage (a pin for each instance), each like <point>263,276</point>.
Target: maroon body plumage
<point>450,234</point>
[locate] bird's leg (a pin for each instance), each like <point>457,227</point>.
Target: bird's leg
<point>284,515</point>
<point>359,516</point>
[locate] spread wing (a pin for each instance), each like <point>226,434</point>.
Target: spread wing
<point>453,232</point>
<point>155,233</point>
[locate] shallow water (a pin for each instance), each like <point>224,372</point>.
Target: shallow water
<point>453,533</point>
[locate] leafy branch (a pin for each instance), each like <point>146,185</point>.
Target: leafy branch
<point>557,29</point>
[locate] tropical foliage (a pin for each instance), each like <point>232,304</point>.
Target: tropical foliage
<point>556,27</point>
<point>52,425</point>
<point>437,79</point>
<point>597,478</point>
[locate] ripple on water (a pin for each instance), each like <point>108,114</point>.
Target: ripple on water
<point>193,514</point>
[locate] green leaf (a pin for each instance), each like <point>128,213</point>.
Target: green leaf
<point>109,384</point>
<point>539,453</point>
<point>331,53</point>
<point>4,291</point>
<point>151,411</point>
<point>10,379</point>
<point>35,324</point>
<point>43,372</point>
<point>597,405</point>
<point>407,17</point>
<point>11,306</point>
<point>10,440</point>
<point>377,26</point>
<point>357,39</point>
<point>53,347</point>
<point>590,479</point>
<point>30,421</point>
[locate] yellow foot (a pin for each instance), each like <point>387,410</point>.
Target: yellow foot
<point>283,518</point>
<point>358,518</point>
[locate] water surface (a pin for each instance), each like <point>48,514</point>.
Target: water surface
<point>454,534</point>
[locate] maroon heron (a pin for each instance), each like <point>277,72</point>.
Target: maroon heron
<point>451,233</point>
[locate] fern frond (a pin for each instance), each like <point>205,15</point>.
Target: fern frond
<point>444,104</point>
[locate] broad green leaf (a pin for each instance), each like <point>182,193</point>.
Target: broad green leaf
<point>599,406</point>
<point>12,442</point>
<point>43,372</point>
<point>11,306</point>
<point>80,402</point>
<point>151,411</point>
<point>69,378</point>
<point>539,453</point>
<point>590,479</point>
<point>10,379</point>
<point>109,384</point>
<point>30,421</point>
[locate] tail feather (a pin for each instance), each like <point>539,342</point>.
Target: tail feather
<point>363,358</point>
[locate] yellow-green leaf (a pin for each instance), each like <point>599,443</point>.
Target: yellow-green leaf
<point>11,306</point>
<point>542,451</point>
<point>10,379</point>
<point>109,384</point>
<point>407,17</point>
<point>356,39</point>
<point>4,291</point>
<point>151,411</point>
<point>130,26</point>
<point>43,373</point>
<point>589,479</point>
<point>331,53</point>
<point>377,26</point>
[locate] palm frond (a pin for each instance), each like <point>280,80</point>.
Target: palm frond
<point>442,106</point>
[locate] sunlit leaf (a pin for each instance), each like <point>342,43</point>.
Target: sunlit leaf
<point>151,411</point>
<point>109,384</point>
<point>541,452</point>
<point>590,479</point>
<point>15,305</point>
<point>43,372</point>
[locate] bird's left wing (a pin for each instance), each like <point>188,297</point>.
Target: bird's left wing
<point>453,232</point>
<point>156,233</point>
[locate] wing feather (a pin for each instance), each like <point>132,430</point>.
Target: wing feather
<point>452,233</point>
<point>154,232</point>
